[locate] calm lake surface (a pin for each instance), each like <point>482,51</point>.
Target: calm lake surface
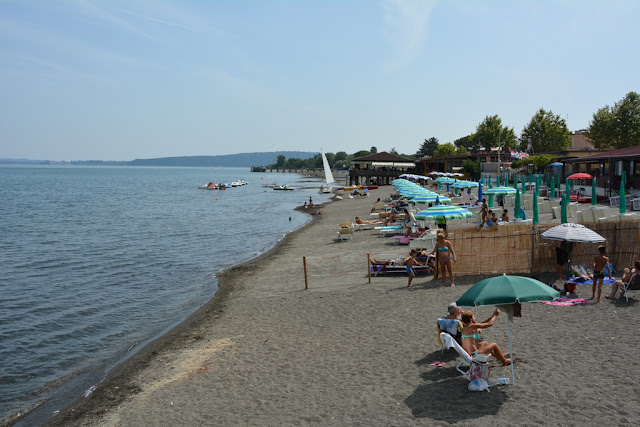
<point>95,261</point>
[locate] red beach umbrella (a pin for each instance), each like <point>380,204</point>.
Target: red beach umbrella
<point>580,176</point>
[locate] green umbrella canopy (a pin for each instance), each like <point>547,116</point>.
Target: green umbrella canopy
<point>552,192</point>
<point>563,209</point>
<point>594,193</point>
<point>507,290</point>
<point>516,208</point>
<point>623,197</point>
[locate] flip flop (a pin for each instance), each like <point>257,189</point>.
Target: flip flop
<point>438,364</point>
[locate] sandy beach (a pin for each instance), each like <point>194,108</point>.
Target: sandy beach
<point>267,351</point>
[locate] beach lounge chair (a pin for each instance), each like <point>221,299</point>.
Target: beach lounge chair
<point>345,233</point>
<point>598,214</point>
<point>632,286</point>
<point>378,206</point>
<point>449,342</point>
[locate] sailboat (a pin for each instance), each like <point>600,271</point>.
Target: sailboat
<point>328,176</point>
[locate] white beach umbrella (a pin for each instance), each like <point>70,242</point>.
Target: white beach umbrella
<point>572,232</point>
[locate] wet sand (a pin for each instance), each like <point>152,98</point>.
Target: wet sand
<point>267,351</point>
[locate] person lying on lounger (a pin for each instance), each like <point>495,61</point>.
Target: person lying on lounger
<point>369,221</point>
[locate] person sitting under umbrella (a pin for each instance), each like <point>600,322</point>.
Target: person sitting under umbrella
<point>471,337</point>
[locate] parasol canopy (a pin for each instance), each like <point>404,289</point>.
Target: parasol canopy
<point>444,211</point>
<point>580,175</point>
<point>572,232</point>
<point>501,290</point>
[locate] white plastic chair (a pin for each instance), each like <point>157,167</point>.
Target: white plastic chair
<point>632,286</point>
<point>449,342</point>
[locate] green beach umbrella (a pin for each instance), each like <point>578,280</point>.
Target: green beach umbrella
<point>524,187</point>
<point>515,181</point>
<point>552,192</point>
<point>594,193</point>
<point>507,290</point>
<point>516,206</point>
<point>500,190</point>
<point>563,209</point>
<point>498,180</point>
<point>623,197</point>
<point>536,218</point>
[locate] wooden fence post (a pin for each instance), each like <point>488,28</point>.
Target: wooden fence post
<point>306,273</point>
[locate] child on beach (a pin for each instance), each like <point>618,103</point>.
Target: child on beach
<point>410,261</point>
<point>599,263</point>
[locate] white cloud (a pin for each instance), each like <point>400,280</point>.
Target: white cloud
<point>406,28</point>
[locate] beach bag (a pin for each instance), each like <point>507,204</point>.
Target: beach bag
<point>479,371</point>
<point>570,287</point>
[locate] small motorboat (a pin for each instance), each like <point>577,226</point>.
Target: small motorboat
<point>283,187</point>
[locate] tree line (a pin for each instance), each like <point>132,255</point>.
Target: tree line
<point>611,128</point>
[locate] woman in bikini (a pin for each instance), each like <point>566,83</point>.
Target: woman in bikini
<point>471,337</point>
<point>445,255</point>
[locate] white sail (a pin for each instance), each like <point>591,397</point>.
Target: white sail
<point>328,176</point>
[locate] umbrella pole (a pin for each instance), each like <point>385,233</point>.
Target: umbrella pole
<point>513,377</point>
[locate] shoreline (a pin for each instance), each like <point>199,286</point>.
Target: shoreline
<point>269,352</point>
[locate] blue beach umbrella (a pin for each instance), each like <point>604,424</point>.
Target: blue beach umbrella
<point>480,190</point>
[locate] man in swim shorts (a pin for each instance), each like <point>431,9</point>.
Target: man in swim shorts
<point>599,263</point>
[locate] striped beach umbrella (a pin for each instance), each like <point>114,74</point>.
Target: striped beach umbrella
<point>500,191</point>
<point>444,211</point>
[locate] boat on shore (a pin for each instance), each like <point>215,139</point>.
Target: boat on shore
<point>328,176</point>
<point>284,188</point>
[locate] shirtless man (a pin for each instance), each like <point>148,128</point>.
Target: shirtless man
<point>410,261</point>
<point>599,263</point>
<point>484,210</point>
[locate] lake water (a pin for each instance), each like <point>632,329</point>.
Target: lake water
<point>95,261</point>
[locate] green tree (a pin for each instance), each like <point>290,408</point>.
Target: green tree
<point>548,132</point>
<point>281,161</point>
<point>428,147</point>
<point>465,141</point>
<point>361,153</point>
<point>392,151</point>
<point>373,150</point>
<point>618,126</point>
<point>472,168</point>
<point>461,150</point>
<point>491,133</point>
<point>539,162</point>
<point>445,150</point>
<point>341,155</point>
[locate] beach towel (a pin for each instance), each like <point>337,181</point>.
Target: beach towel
<point>566,301</point>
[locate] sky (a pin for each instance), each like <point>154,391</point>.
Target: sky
<point>127,79</point>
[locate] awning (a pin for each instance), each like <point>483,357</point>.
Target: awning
<point>394,164</point>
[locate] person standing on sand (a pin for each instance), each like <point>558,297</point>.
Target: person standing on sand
<point>410,261</point>
<point>599,263</point>
<point>562,258</point>
<point>445,254</point>
<point>484,210</point>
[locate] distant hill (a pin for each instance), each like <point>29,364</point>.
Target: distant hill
<point>229,160</point>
